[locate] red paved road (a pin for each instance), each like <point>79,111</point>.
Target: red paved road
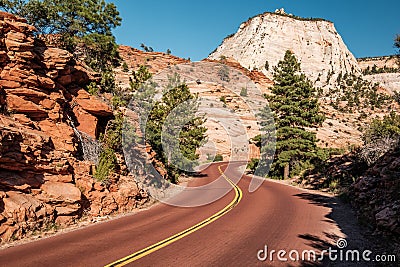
<point>275,215</point>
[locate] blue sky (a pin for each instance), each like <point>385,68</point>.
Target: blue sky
<point>194,28</point>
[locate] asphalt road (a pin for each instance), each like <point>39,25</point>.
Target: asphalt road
<point>277,216</point>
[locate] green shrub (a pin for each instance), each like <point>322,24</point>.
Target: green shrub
<point>243,92</point>
<point>223,74</point>
<point>223,99</point>
<point>389,127</point>
<point>106,166</point>
<point>92,88</point>
<point>253,164</point>
<point>125,67</point>
<point>266,66</point>
<point>396,97</point>
<point>117,102</point>
<point>218,158</point>
<point>107,83</point>
<point>113,136</point>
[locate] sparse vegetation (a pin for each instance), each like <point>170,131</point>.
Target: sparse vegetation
<point>145,47</point>
<point>266,66</point>
<point>388,127</point>
<point>355,94</point>
<point>376,70</point>
<point>107,82</point>
<point>396,97</point>
<point>139,77</point>
<point>92,88</point>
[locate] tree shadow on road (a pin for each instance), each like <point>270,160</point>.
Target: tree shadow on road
<point>342,215</point>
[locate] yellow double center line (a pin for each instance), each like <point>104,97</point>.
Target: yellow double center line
<point>150,249</point>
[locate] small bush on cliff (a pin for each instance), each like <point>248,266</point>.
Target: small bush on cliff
<point>107,82</point>
<point>125,67</point>
<point>107,161</point>
<point>139,77</point>
<point>396,97</point>
<point>243,92</point>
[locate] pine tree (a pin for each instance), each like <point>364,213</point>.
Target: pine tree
<point>139,77</point>
<point>75,22</point>
<point>173,122</point>
<point>295,108</point>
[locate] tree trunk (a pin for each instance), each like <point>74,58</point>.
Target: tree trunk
<point>286,171</point>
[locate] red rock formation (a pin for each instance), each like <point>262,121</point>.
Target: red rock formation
<point>41,180</point>
<point>256,76</point>
<point>155,61</point>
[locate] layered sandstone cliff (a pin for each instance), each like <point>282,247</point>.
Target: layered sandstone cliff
<point>43,180</point>
<point>383,70</point>
<point>261,42</point>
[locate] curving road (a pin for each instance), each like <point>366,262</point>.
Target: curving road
<point>276,215</point>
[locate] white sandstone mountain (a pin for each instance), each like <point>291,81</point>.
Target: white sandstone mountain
<point>315,42</point>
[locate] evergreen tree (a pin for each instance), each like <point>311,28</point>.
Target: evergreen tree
<point>173,122</point>
<point>295,108</point>
<point>88,22</point>
<point>139,77</point>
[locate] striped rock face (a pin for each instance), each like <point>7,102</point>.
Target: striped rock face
<point>261,42</point>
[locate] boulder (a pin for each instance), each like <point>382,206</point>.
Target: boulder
<point>21,207</point>
<point>9,84</point>
<point>60,192</point>
<point>19,105</point>
<point>93,104</point>
<point>87,123</point>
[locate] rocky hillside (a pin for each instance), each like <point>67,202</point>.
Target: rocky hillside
<point>210,89</point>
<point>389,81</point>
<point>376,196</point>
<point>378,62</point>
<point>43,179</point>
<point>340,130</point>
<point>382,70</point>
<point>262,41</point>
